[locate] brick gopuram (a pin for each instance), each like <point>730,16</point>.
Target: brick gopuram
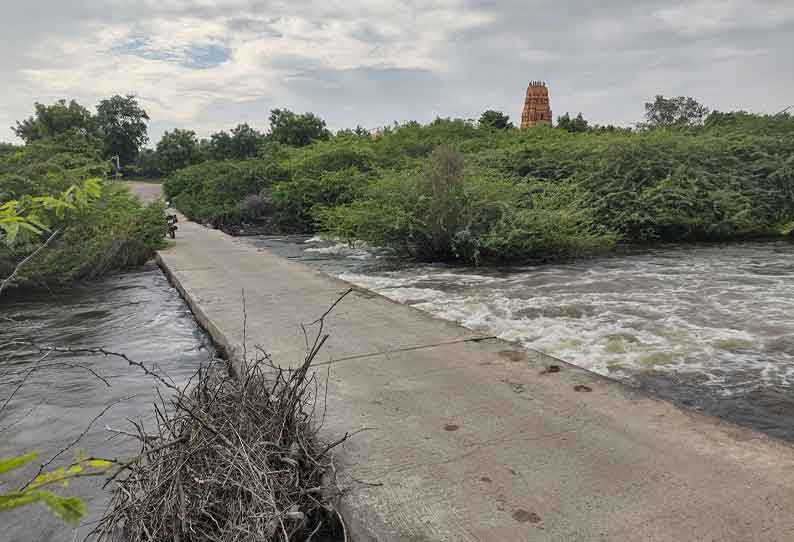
<point>536,105</point>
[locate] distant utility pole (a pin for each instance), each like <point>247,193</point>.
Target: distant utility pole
<point>118,167</point>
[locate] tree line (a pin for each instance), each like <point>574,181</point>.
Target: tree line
<point>54,193</point>
<point>683,173</point>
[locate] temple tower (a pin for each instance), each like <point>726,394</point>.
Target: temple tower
<point>536,105</point>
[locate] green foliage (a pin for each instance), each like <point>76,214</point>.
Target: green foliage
<point>296,130</point>
<point>147,166</point>
<point>295,203</point>
<point>495,119</point>
<point>358,131</point>
<point>213,191</point>
<point>742,122</point>
<point>48,167</point>
<point>178,149</point>
<point>680,111</point>
<point>7,148</point>
<point>123,124</point>
<point>53,183</point>
<point>530,193</point>
<point>25,219</point>
<point>69,509</point>
<point>441,213</point>
<point>291,181</point>
<point>243,142</point>
<point>57,119</point>
<point>574,125</point>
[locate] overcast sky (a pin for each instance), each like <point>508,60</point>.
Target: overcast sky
<point>210,64</point>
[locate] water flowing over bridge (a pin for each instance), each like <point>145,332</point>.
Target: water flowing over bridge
<point>469,438</point>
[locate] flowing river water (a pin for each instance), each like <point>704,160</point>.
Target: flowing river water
<point>708,326</point>
<point>137,314</point>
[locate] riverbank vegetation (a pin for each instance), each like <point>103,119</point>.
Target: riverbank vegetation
<point>54,190</point>
<point>685,174</point>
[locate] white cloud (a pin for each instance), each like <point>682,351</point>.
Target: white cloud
<point>693,18</point>
<point>194,63</point>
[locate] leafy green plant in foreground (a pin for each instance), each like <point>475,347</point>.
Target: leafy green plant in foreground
<point>69,509</point>
<point>30,216</point>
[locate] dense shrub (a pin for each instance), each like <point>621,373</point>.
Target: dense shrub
<point>114,234</point>
<point>441,213</point>
<point>214,191</point>
<point>295,203</point>
<point>524,193</point>
<point>108,232</point>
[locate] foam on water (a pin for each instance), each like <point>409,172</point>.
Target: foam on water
<point>723,315</point>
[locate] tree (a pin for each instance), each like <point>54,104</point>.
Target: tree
<point>147,165</point>
<point>289,128</point>
<point>177,150</point>
<point>123,124</point>
<point>243,142</point>
<point>575,125</point>
<point>678,111</point>
<point>220,146</point>
<point>52,120</point>
<point>359,131</point>
<point>495,119</point>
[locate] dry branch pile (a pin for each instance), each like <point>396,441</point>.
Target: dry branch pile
<point>234,459</point>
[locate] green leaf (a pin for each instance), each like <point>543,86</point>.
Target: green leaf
<point>12,230</point>
<point>69,509</point>
<point>16,499</point>
<point>12,463</point>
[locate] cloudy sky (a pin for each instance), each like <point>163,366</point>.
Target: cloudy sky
<point>210,64</point>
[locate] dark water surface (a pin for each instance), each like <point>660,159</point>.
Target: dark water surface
<point>708,326</point>
<point>138,314</point>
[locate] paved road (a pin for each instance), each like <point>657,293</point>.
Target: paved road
<point>146,191</point>
<point>469,439</point>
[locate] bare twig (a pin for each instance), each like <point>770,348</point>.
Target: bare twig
<point>75,441</point>
<point>22,381</point>
<point>332,307</point>
<point>29,257</point>
<point>232,459</point>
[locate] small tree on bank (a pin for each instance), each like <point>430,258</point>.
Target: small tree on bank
<point>57,119</point>
<point>295,130</point>
<point>495,119</point>
<point>178,149</point>
<point>681,111</point>
<point>123,124</point>
<point>573,125</point>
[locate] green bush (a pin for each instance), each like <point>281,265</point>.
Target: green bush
<point>295,203</point>
<point>732,178</point>
<point>108,232</point>
<point>113,234</point>
<point>441,213</point>
<point>214,190</point>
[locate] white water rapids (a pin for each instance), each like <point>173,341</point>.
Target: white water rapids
<point>714,319</point>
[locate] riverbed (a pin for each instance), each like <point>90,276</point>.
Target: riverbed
<point>708,326</point>
<point>137,314</point>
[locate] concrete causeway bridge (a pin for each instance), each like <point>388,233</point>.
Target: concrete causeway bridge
<point>470,438</point>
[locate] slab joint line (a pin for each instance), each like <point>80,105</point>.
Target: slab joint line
<point>406,349</point>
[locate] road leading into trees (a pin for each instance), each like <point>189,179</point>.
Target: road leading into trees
<point>145,190</point>
<point>471,438</point>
